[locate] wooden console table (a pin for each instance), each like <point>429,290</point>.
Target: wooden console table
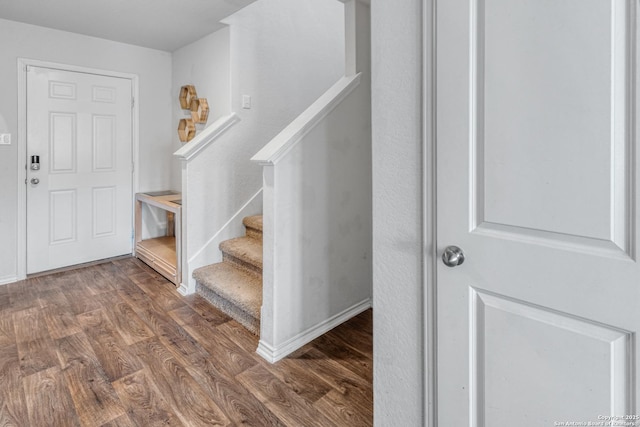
<point>161,253</point>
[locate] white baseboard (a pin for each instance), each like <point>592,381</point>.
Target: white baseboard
<point>273,354</point>
<point>8,279</point>
<point>184,290</point>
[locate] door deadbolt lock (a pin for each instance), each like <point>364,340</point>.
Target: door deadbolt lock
<point>35,163</point>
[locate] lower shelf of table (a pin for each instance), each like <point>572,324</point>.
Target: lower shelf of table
<point>160,254</point>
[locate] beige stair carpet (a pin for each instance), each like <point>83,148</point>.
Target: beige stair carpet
<point>235,285</point>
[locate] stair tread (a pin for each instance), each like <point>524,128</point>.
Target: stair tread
<point>244,248</point>
<point>235,285</point>
<point>254,222</point>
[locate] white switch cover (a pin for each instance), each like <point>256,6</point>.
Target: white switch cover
<point>246,102</point>
<point>5,139</point>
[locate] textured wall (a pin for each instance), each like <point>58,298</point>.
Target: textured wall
<point>154,70</point>
<point>397,212</point>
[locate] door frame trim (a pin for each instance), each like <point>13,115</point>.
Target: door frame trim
<point>429,216</point>
<point>22,64</point>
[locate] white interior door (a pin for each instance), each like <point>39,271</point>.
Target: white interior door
<point>537,169</point>
<point>79,203</point>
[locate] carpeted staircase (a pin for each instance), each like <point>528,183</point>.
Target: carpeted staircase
<point>235,285</point>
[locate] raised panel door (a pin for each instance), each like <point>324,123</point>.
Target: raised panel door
<point>537,183</point>
<point>79,203</point>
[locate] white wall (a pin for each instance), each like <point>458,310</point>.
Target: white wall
<point>397,212</point>
<point>206,65</point>
<point>317,201</point>
<point>284,54</point>
<point>154,71</point>
<point>322,226</point>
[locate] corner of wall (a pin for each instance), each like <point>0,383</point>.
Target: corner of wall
<point>399,366</point>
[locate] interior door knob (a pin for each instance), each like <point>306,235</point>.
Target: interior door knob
<point>452,256</point>
<point>35,181</point>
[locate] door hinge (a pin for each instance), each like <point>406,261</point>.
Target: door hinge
<point>133,102</point>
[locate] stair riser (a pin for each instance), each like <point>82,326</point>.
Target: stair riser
<point>235,285</point>
<point>245,319</point>
<point>242,265</point>
<point>253,233</point>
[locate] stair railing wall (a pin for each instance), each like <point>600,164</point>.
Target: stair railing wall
<point>317,241</point>
<point>200,233</point>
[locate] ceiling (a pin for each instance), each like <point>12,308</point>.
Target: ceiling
<point>158,24</point>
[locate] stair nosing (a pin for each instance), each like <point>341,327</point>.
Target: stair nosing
<point>247,280</point>
<point>251,321</point>
<point>249,222</point>
<point>228,248</point>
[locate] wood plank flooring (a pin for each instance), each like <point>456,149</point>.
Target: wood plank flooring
<point>114,344</point>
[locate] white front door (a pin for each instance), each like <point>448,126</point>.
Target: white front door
<point>537,182</point>
<point>79,202</point>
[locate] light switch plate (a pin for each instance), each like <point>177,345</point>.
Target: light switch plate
<point>5,139</point>
<point>246,102</point>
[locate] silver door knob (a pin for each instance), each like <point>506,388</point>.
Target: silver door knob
<point>35,181</point>
<point>452,256</point>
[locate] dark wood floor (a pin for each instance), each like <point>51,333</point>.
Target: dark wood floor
<point>116,345</point>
